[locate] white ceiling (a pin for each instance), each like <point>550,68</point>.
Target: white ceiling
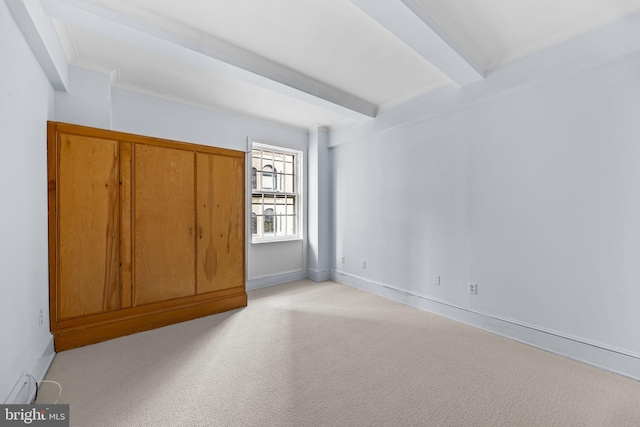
<point>309,62</point>
<point>495,32</point>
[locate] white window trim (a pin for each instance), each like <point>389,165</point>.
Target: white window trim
<point>299,185</point>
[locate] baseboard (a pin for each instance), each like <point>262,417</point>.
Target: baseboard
<point>611,359</point>
<point>276,279</point>
<point>24,391</point>
<point>319,275</point>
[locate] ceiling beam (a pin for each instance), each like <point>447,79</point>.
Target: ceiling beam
<point>181,43</point>
<point>411,24</point>
<point>38,30</point>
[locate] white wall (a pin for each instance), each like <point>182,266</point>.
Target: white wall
<point>87,100</point>
<point>92,101</point>
<point>530,190</point>
<point>555,205</point>
<point>26,102</point>
<point>400,204</point>
<point>147,115</point>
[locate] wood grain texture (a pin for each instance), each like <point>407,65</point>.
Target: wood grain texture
<point>164,218</point>
<point>220,213</point>
<point>126,226</point>
<point>88,225</point>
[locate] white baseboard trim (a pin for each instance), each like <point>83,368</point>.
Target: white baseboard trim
<point>24,390</point>
<point>277,279</point>
<point>619,361</point>
<point>319,275</point>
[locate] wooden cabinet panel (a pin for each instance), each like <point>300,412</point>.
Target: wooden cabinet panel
<point>164,223</point>
<point>88,226</point>
<point>125,252</point>
<point>220,213</point>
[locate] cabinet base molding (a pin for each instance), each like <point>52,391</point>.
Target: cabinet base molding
<point>95,333</point>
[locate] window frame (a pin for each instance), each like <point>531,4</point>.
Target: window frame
<point>298,193</point>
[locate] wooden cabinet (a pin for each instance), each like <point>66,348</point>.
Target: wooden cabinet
<point>143,233</point>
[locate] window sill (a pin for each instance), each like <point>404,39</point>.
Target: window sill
<point>290,239</point>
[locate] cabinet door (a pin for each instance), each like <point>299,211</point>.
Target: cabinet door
<point>164,224</point>
<point>220,198</point>
<point>88,228</point>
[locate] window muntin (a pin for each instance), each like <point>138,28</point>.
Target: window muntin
<point>275,198</point>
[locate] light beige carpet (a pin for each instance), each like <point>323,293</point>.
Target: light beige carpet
<point>311,354</point>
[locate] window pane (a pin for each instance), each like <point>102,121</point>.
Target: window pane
<point>288,184</point>
<point>291,225</point>
<point>280,225</point>
<point>254,224</point>
<point>256,205</point>
<point>288,168</point>
<point>269,221</point>
<point>260,224</point>
<point>269,201</point>
<point>279,166</point>
<point>268,178</point>
<point>291,208</point>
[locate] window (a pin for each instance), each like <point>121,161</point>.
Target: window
<point>275,193</point>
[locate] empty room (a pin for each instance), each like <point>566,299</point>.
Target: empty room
<point>320,213</point>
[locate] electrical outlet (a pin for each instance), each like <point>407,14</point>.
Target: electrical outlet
<point>364,264</point>
<point>40,318</point>
<point>473,288</point>
<point>436,280</point>
<point>342,260</point>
